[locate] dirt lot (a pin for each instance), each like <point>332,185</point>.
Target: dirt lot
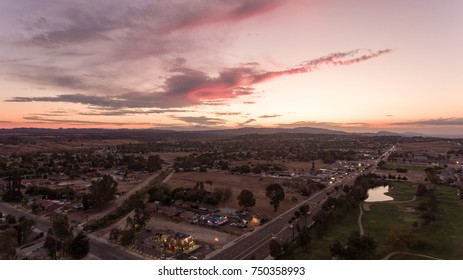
<point>412,176</point>
<point>237,183</point>
<point>291,166</point>
<point>434,146</point>
<point>299,165</point>
<point>125,186</point>
<point>170,157</point>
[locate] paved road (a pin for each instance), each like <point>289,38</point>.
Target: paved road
<point>99,247</point>
<point>390,255</point>
<point>255,244</point>
<point>359,220</point>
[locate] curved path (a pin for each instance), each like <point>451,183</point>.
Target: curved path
<point>396,202</point>
<point>388,256</point>
<point>360,219</point>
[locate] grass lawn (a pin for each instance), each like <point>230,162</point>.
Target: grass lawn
<point>408,167</point>
<point>401,191</point>
<point>388,221</point>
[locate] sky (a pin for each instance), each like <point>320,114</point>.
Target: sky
<point>353,65</point>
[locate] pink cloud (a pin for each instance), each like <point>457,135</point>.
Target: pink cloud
<point>222,11</point>
<point>189,87</point>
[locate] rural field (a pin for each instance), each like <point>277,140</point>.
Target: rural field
<point>414,174</point>
<point>56,144</point>
<point>440,146</point>
<point>169,157</point>
<point>237,183</point>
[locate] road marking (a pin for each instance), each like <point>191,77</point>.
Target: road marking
<point>265,239</point>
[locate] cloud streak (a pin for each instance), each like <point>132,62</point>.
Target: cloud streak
<point>190,87</point>
<point>248,121</point>
<point>317,124</point>
<point>268,116</point>
<point>201,120</point>
<point>220,12</point>
<point>227,113</point>
<point>102,21</point>
<point>125,112</point>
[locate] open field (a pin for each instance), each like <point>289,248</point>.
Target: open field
<point>50,145</point>
<point>237,183</point>
<point>299,165</point>
<point>441,146</point>
<point>170,157</point>
<point>414,174</point>
<point>408,167</point>
<point>291,166</point>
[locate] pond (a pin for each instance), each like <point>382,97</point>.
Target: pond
<point>377,194</point>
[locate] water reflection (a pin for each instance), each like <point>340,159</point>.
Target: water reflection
<point>377,194</point>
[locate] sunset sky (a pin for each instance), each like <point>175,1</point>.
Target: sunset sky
<point>353,65</point>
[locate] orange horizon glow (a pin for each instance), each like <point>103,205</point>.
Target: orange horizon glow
<point>233,64</point>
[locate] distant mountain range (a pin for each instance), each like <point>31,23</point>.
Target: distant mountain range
<point>306,130</point>
<point>202,131</point>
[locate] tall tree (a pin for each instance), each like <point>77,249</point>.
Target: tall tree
<point>7,244</point>
<point>358,247</point>
<point>24,229</point>
<point>223,194</point>
<point>51,244</point>
<point>127,237</point>
<point>337,250</point>
<point>276,194</point>
<point>35,209</point>
<point>275,248</point>
<point>115,234</point>
<point>154,163</point>
<point>246,199</point>
<point>62,234</point>
<point>305,210</point>
<point>80,246</point>
<point>140,218</point>
<point>421,190</point>
<point>103,192</point>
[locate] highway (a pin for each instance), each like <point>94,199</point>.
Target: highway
<point>255,244</point>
